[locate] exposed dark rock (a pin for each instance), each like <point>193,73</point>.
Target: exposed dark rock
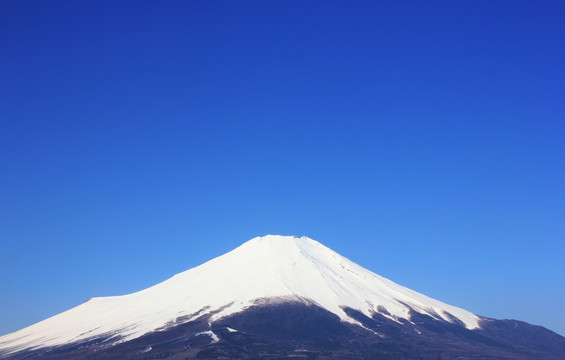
<point>297,330</point>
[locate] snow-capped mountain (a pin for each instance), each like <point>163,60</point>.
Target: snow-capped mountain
<point>265,271</point>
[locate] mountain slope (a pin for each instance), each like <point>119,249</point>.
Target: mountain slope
<point>271,272</point>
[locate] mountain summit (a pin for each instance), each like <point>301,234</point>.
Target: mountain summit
<point>247,293</point>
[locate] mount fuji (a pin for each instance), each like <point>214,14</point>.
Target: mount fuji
<point>274,297</point>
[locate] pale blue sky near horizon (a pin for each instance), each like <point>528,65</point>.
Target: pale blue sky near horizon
<point>424,141</point>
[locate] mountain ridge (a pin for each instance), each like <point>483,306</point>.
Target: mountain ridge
<point>264,272</point>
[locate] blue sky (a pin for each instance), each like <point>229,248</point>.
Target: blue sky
<point>422,140</point>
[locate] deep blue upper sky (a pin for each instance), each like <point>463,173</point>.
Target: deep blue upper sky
<point>423,140</point>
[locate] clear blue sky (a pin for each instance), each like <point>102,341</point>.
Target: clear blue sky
<point>423,140</point>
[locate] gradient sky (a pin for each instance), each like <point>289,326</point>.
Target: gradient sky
<point>423,140</point>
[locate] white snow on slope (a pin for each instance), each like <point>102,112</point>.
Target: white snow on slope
<point>211,334</point>
<point>264,267</point>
